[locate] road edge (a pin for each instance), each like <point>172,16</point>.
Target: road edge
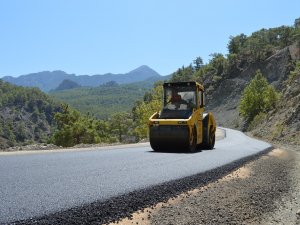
<point>122,206</point>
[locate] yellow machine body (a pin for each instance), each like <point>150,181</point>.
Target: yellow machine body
<point>182,124</point>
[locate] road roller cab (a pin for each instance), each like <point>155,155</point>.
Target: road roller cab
<point>181,125</point>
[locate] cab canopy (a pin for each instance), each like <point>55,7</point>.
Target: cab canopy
<point>180,99</point>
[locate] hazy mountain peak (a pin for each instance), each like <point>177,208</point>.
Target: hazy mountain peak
<point>67,84</point>
<point>145,69</point>
<point>48,80</point>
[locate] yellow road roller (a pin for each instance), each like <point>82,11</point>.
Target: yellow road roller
<point>181,125</point>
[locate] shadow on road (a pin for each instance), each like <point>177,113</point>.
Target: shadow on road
<point>175,151</point>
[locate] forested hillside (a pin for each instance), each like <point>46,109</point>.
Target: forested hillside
<point>26,115</point>
<point>30,116</point>
<point>271,52</point>
<point>105,100</point>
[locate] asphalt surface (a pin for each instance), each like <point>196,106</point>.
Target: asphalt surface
<point>34,185</point>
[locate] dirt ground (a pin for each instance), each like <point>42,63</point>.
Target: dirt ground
<point>264,191</point>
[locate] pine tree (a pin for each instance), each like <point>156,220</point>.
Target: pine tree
<point>257,97</point>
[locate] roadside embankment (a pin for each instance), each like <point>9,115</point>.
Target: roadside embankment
<point>264,191</point>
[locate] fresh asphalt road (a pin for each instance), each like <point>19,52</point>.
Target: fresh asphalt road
<point>41,183</point>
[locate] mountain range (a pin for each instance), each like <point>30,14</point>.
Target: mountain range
<point>49,80</point>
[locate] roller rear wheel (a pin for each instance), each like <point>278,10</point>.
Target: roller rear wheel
<point>193,141</point>
<point>211,139</point>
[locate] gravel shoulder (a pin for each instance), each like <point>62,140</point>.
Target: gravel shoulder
<point>264,191</point>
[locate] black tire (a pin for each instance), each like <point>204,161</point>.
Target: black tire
<point>209,137</point>
<point>212,139</point>
<point>156,147</point>
<point>193,142</point>
<point>205,133</point>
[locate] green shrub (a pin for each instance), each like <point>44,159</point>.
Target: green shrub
<point>257,97</point>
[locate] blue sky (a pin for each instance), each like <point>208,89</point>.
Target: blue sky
<point>101,36</point>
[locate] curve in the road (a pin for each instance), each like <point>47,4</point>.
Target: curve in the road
<point>87,185</point>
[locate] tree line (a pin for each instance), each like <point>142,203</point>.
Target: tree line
<point>76,128</point>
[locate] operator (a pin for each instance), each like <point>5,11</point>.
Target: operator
<point>176,98</point>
